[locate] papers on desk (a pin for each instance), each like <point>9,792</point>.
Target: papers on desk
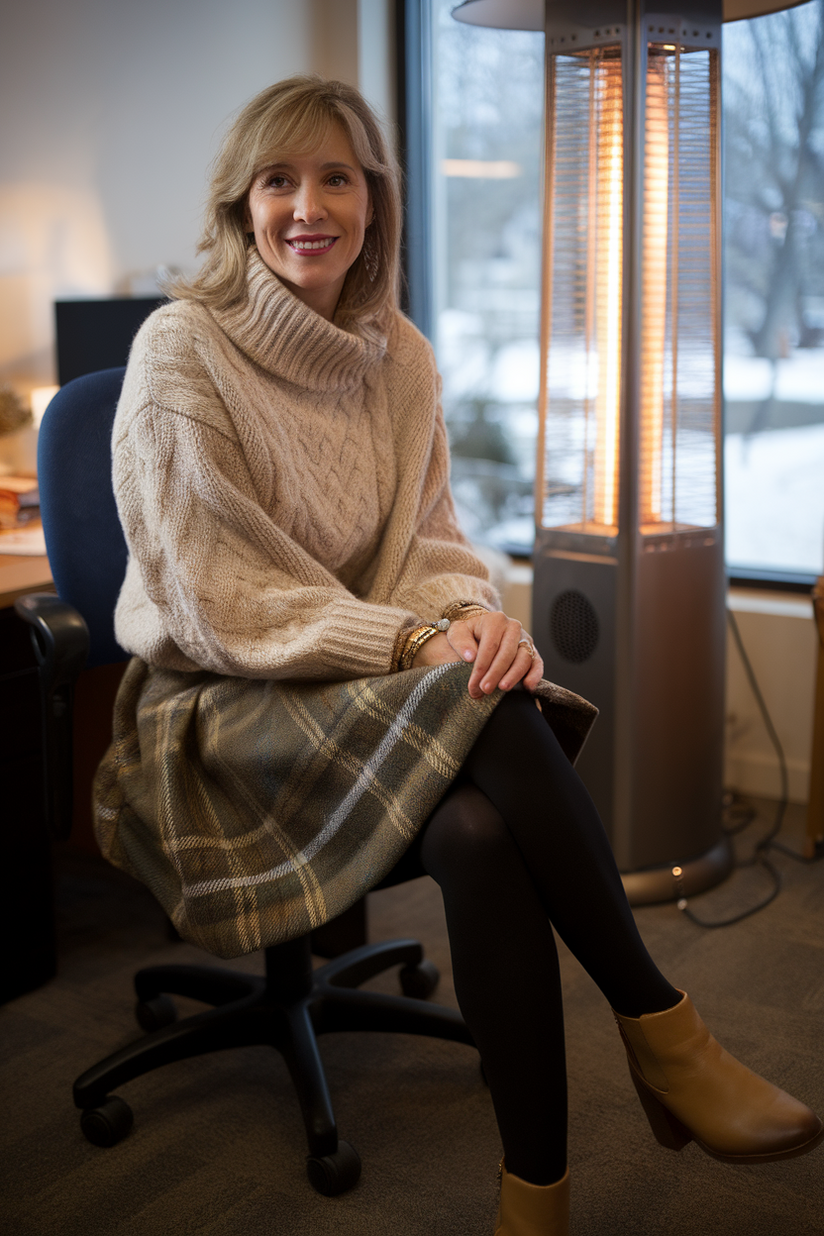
<point>19,500</point>
<point>27,541</point>
<point>20,529</point>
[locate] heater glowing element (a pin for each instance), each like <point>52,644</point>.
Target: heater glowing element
<point>654,394</point>
<point>654,302</point>
<point>607,140</point>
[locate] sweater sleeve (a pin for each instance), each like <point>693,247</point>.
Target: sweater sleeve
<point>440,565</point>
<point>213,582</point>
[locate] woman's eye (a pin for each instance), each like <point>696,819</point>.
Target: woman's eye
<point>277,182</point>
<point>337,180</point>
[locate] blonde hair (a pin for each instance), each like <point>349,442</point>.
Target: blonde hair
<point>293,117</point>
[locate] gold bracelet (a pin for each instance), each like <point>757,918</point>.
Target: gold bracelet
<point>418,637</point>
<point>457,611</point>
<point>397,651</point>
<point>414,641</point>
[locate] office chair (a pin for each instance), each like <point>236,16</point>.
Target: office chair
<point>292,1004</point>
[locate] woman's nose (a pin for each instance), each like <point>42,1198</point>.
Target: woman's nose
<point>309,205</point>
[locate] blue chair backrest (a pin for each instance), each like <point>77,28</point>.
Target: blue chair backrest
<point>85,543</point>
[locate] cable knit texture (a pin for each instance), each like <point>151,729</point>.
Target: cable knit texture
<point>283,487</point>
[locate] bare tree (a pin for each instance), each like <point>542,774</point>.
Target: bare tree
<point>774,193</point>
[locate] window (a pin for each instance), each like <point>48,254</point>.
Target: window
<point>774,294</point>
<point>480,153</point>
<point>483,154</point>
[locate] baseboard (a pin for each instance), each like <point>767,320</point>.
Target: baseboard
<point>754,773</point>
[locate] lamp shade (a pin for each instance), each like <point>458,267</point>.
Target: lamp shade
<point>529,14</point>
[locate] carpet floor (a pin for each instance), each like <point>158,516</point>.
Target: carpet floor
<point>217,1145</point>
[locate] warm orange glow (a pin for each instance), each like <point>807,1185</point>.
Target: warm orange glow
<point>608,141</point>
<point>654,302</point>
<point>673,414</point>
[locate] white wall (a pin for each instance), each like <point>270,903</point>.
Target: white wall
<point>779,635</point>
<point>110,111</point>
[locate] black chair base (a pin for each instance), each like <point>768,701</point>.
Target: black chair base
<point>287,1009</point>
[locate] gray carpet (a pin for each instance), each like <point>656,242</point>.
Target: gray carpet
<point>217,1145</point>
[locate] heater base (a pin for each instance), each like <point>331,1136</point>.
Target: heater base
<point>658,884</point>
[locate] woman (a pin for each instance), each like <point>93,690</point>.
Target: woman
<point>321,672</point>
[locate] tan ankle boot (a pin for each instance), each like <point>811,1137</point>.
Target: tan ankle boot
<point>532,1210</point>
<point>690,1088</point>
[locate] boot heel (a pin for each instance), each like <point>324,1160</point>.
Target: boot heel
<point>668,1130</point>
<point>729,1111</point>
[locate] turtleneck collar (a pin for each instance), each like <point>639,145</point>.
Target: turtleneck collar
<point>283,335</point>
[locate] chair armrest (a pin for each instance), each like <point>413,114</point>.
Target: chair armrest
<point>59,635</point>
<point>60,639</point>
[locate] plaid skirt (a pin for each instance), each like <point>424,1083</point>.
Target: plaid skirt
<point>256,810</point>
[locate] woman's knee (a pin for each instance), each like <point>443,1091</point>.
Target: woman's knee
<point>515,748</point>
<point>465,833</point>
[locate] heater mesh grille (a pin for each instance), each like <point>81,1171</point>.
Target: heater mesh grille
<point>675,361</point>
<point>679,405</point>
<point>585,200</point>
<point>573,625</point>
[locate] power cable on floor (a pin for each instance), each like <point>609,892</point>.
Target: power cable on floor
<point>768,842</point>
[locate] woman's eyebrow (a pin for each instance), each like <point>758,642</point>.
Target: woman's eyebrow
<point>324,167</point>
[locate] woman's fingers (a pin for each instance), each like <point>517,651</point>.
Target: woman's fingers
<point>499,650</point>
<point>535,673</point>
<point>497,655</point>
<point>527,667</point>
<point>462,640</point>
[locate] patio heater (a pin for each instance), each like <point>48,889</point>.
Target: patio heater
<point>629,585</point>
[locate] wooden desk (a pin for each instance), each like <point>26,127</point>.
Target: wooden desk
<point>19,575</point>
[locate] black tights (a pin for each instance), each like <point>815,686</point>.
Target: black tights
<point>515,845</point>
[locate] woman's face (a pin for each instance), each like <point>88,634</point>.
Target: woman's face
<point>309,215</point>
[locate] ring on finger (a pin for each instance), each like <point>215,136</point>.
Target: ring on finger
<point>530,647</point>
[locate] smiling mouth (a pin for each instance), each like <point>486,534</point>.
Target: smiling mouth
<point>321,244</point>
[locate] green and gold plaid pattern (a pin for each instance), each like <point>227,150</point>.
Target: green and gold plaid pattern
<point>256,810</point>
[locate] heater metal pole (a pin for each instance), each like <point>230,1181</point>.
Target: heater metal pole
<point>629,580</point>
<point>632,614</point>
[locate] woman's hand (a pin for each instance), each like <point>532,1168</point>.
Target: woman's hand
<point>492,642</point>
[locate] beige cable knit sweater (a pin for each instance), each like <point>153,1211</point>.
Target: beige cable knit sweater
<point>283,487</point>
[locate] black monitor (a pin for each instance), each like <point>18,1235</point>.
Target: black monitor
<point>97,334</point>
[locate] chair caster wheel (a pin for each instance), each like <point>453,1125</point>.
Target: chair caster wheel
<point>107,1124</point>
<point>155,1014</point>
<point>419,981</point>
<point>334,1173</point>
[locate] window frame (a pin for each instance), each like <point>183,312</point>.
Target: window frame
<point>415,119</point>
<point>413,23</point>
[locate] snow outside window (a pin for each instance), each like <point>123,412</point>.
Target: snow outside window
<point>486,151</point>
